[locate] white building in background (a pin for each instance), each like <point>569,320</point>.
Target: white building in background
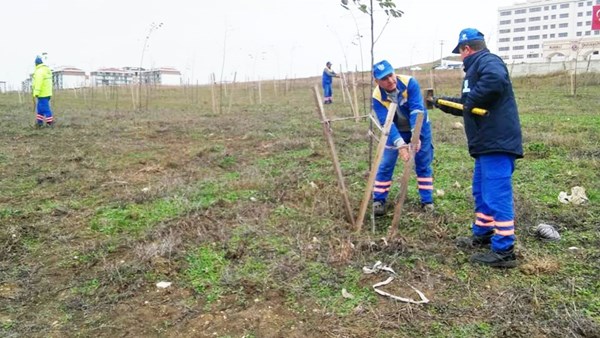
<point>133,75</point>
<point>166,76</point>
<point>547,30</point>
<point>69,77</point>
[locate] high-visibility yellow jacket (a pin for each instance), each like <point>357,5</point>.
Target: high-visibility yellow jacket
<point>42,81</point>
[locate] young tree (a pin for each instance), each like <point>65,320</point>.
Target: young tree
<point>389,8</point>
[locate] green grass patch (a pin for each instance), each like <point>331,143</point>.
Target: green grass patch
<point>205,268</point>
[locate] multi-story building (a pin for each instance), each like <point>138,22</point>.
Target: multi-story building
<point>133,75</point>
<point>547,30</point>
<point>68,77</point>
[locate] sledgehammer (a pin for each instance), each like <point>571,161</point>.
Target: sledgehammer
<point>429,100</point>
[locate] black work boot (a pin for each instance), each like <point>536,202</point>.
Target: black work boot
<point>427,207</point>
<point>475,242</point>
<point>496,259</point>
<point>379,208</point>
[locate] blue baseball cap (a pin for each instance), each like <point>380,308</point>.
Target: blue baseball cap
<point>38,60</point>
<point>382,69</point>
<point>467,34</point>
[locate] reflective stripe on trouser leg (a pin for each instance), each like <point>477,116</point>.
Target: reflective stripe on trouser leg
<point>496,184</point>
<point>484,222</point>
<point>424,171</point>
<point>43,108</point>
<point>383,180</point>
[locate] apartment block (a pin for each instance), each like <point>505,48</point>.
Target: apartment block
<point>547,30</point>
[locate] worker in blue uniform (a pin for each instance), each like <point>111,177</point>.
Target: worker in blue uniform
<point>404,90</point>
<point>326,81</point>
<point>495,142</point>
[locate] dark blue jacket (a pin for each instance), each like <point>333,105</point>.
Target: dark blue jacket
<point>487,85</point>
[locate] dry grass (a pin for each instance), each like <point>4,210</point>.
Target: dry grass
<point>99,209</point>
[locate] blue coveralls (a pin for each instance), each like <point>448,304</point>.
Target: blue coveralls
<point>410,101</point>
<point>326,81</point>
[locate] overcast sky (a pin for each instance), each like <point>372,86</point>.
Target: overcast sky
<point>258,39</point>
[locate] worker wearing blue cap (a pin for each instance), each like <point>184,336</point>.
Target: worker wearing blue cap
<point>326,81</point>
<point>495,143</point>
<point>41,85</point>
<point>404,90</point>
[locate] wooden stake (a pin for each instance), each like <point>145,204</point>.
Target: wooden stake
<point>133,103</point>
<point>336,163</point>
<point>378,155</point>
<point>231,95</point>
<point>416,134</point>
<point>354,112</point>
<point>355,101</point>
<point>212,93</point>
<point>259,93</point>
<point>342,85</point>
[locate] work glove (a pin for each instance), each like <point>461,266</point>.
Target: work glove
<point>446,109</point>
<point>467,109</point>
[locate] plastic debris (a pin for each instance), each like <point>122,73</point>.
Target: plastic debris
<point>347,294</point>
<point>577,196</point>
<point>377,267</point>
<point>163,285</point>
<point>547,232</point>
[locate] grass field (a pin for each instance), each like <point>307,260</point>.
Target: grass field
<point>239,208</point>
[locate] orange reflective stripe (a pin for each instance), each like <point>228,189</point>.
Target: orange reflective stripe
<point>482,224</point>
<point>505,223</point>
<point>381,189</point>
<point>381,183</point>
<point>484,216</point>
<point>425,179</point>
<point>505,232</point>
<point>425,187</point>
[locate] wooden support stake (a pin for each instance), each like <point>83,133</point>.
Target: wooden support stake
<point>352,107</point>
<point>212,93</point>
<point>259,93</point>
<point>416,134</point>
<point>336,162</point>
<point>378,155</point>
<point>355,101</point>
<point>342,84</point>
<point>231,95</point>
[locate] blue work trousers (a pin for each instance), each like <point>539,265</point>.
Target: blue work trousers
<point>423,169</point>
<point>327,92</point>
<point>493,195</point>
<point>44,113</point>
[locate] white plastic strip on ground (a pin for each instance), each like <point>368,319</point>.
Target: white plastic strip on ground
<point>377,267</point>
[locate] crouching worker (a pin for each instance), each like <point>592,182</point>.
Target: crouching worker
<point>404,90</point>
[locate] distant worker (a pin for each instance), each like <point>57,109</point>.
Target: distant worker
<point>495,142</point>
<point>42,91</point>
<point>328,74</point>
<point>404,90</point>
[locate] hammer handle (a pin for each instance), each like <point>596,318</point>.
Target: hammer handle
<point>476,111</point>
